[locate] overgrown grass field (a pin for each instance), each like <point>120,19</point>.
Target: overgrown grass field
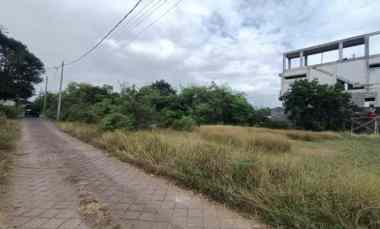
<point>9,130</point>
<point>293,179</point>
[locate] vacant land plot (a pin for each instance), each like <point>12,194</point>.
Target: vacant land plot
<point>8,134</point>
<point>294,179</point>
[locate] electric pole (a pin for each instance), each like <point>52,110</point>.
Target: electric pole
<point>60,93</point>
<point>45,97</point>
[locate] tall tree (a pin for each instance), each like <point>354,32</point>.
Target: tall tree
<point>313,106</point>
<point>19,69</point>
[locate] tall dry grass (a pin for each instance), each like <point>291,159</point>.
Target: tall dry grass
<point>262,171</point>
<point>9,130</point>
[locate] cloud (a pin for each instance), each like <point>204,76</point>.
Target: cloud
<point>234,42</point>
<point>160,49</point>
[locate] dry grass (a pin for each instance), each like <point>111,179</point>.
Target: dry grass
<point>294,179</point>
<point>9,130</point>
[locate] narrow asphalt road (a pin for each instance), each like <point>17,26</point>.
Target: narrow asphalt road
<point>58,182</point>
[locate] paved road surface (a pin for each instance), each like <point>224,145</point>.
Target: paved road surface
<point>58,182</point>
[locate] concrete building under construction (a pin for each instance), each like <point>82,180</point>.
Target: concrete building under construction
<point>354,62</point>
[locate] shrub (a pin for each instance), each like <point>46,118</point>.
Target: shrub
<point>275,124</point>
<point>3,118</point>
<point>117,121</point>
<point>81,115</point>
<point>10,112</point>
<point>185,123</point>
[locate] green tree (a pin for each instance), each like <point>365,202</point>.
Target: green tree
<point>138,106</point>
<point>216,104</point>
<point>314,106</point>
<point>19,69</point>
<point>157,104</point>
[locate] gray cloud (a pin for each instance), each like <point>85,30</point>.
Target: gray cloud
<point>235,42</point>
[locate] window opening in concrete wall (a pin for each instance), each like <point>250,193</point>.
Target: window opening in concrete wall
<point>372,99</point>
<point>330,56</point>
<point>314,59</point>
<point>375,65</point>
<point>374,45</point>
<point>295,77</point>
<point>295,62</point>
<point>353,52</point>
<point>352,87</point>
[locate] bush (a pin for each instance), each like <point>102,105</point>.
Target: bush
<point>185,123</point>
<point>275,124</point>
<point>10,112</point>
<point>117,121</point>
<point>82,116</point>
<point>3,117</point>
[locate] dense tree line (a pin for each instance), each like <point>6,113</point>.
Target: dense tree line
<point>308,105</point>
<point>154,105</point>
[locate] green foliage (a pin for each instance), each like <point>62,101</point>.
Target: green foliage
<point>19,70</point>
<point>274,124</point>
<point>81,114</point>
<point>157,104</point>
<point>51,104</point>
<point>216,104</point>
<point>313,106</point>
<point>115,121</point>
<point>185,123</point>
<point>11,112</point>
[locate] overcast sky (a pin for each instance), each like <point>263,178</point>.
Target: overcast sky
<point>234,42</point>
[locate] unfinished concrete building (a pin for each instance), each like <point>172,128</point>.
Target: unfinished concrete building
<point>354,62</point>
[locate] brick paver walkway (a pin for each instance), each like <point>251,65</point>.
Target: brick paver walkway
<point>52,170</point>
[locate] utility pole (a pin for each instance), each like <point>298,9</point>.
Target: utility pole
<point>45,97</point>
<point>60,93</point>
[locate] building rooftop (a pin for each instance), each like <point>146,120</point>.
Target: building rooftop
<point>329,46</point>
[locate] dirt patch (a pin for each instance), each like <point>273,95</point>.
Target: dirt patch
<point>72,179</point>
<point>94,213</point>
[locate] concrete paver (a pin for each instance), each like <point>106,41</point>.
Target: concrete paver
<point>53,169</point>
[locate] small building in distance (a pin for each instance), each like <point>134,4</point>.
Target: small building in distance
<point>354,62</point>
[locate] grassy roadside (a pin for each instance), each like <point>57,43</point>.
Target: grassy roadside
<point>9,130</point>
<point>293,179</point>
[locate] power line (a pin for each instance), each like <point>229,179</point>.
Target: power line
<point>149,13</point>
<point>139,15</point>
<point>159,18</point>
<point>143,11</point>
<point>106,36</point>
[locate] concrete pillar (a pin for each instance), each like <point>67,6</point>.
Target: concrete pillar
<point>341,51</point>
<point>289,63</point>
<point>301,59</point>
<point>366,54</point>
<point>340,61</point>
<point>306,60</point>
<point>284,63</point>
<point>366,45</point>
